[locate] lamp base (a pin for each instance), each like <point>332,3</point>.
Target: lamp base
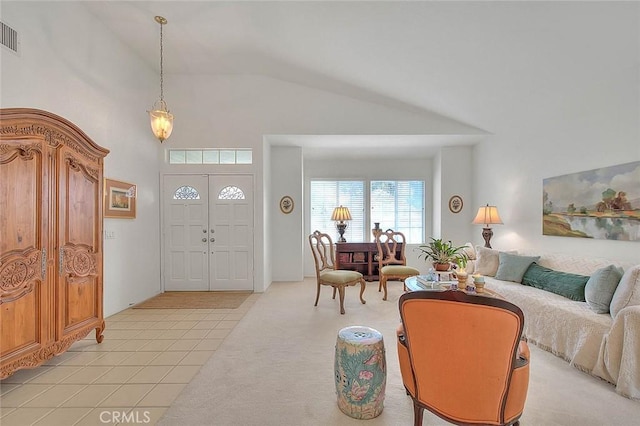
<point>341,228</point>
<point>487,233</point>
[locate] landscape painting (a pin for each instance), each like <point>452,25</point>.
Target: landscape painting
<point>600,203</point>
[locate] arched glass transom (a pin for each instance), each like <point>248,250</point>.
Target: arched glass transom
<point>186,193</point>
<point>231,193</point>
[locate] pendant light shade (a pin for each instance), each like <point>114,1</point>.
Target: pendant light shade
<point>161,121</point>
<point>161,118</point>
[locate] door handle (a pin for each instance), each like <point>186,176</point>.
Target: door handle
<point>212,240</point>
<point>204,240</point>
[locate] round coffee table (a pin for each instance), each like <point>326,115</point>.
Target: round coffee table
<point>413,284</point>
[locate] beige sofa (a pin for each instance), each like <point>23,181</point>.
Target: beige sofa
<point>600,344</point>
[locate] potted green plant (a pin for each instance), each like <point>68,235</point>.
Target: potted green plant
<point>442,253</point>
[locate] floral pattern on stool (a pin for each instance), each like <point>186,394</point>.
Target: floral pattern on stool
<point>360,372</point>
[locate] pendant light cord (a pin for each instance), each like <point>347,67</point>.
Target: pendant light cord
<point>161,70</point>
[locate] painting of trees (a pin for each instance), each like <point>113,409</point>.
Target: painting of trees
<point>600,203</point>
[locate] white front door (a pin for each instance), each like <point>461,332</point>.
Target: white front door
<point>231,219</point>
<point>208,232</point>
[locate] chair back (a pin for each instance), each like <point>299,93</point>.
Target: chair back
<point>323,251</point>
<point>462,349</point>
<point>390,248</point>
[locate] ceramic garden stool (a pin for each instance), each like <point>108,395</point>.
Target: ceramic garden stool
<point>361,372</point>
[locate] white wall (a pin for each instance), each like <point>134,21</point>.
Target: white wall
<point>286,229</point>
<point>267,235</point>
<point>455,179</point>
<point>574,107</point>
<point>69,64</point>
<point>580,111</point>
<point>248,111</point>
<point>436,207</point>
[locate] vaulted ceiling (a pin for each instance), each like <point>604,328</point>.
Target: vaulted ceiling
<point>472,62</point>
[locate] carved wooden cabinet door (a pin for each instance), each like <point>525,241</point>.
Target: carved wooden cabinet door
<point>79,239</point>
<point>50,237</point>
<point>26,307</point>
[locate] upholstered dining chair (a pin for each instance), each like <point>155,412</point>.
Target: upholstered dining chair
<point>392,263</point>
<point>461,357</point>
<point>326,272</point>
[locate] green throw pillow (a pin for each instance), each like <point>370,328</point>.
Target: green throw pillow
<point>565,284</point>
<point>511,267</point>
<point>600,288</point>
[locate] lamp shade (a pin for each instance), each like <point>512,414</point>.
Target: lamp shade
<point>487,215</point>
<point>161,123</point>
<point>341,214</point>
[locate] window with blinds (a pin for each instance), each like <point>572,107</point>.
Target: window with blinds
<point>398,205</point>
<point>325,195</point>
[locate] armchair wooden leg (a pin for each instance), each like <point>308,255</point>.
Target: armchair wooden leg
<point>334,292</point>
<point>417,414</point>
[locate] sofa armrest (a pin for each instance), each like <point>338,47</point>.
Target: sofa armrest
<point>619,353</point>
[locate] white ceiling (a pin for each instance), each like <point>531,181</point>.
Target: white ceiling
<point>473,62</point>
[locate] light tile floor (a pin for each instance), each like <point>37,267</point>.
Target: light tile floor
<point>146,358</point>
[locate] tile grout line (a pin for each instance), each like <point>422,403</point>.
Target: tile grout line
<point>193,321</point>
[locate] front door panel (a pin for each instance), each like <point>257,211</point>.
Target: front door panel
<point>186,219</point>
<point>231,205</point>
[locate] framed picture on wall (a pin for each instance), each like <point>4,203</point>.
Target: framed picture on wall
<point>119,199</point>
<point>455,204</point>
<point>286,204</point>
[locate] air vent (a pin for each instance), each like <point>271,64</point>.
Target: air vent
<point>8,37</point>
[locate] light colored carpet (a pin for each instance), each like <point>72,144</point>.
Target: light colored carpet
<point>276,368</point>
<point>195,300</point>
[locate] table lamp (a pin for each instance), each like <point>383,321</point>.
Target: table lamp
<point>340,214</point>
<point>487,215</point>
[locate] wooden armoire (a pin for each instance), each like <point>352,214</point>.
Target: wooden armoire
<point>51,197</point>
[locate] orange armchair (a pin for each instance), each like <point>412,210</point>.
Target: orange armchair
<point>461,357</point>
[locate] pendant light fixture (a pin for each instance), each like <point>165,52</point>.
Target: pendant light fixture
<point>161,118</point>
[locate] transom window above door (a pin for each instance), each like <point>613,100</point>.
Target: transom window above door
<point>210,156</point>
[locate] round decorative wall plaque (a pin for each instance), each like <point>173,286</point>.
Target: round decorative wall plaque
<point>455,204</point>
<point>286,204</point>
